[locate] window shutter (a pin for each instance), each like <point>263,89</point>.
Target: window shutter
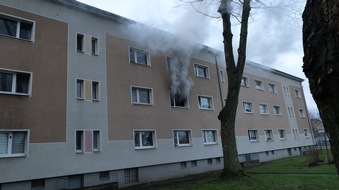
<point>3,143</point>
<point>18,143</point>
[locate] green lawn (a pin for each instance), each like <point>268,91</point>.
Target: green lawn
<point>284,174</point>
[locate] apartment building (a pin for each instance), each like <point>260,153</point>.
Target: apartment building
<point>90,98</point>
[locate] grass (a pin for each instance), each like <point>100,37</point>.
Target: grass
<point>284,174</point>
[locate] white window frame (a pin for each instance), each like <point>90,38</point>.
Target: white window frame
<point>138,88</point>
<point>259,87</point>
<point>14,74</point>
<point>141,146</point>
<point>82,49</point>
<point>245,83</point>
<point>251,106</point>
<point>81,82</point>
<point>206,139</point>
<point>172,99</point>
<point>254,138</point>
<point>221,75</point>
<point>200,66</point>
<point>284,134</point>
<point>272,88</point>
<point>210,100</point>
<point>302,112</point>
<point>297,93</point>
<point>18,21</point>
<point>268,134</point>
<point>135,57</point>
<point>265,107</point>
<point>176,137</point>
<point>96,135</point>
<point>9,142</point>
<point>306,133</point>
<point>94,46</point>
<point>95,88</point>
<point>274,110</point>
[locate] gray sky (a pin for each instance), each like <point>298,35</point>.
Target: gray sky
<point>274,36</point>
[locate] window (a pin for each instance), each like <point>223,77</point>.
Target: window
<point>144,139</point>
<point>205,102</point>
<point>210,136</point>
<point>87,141</point>
<point>183,165</point>
<point>15,82</point>
<point>96,140</point>
<point>16,28</point>
<point>104,176</point>
<point>253,135</point>
<point>13,143</point>
<point>79,141</point>
<point>210,161</point>
<point>131,175</point>
<point>263,109</point>
<point>138,56</point>
<point>248,108</point>
<point>244,82</point>
<point>141,96</point>
<point>276,110</point>
<point>80,43</point>
<point>169,62</point>
<point>194,163</point>
<point>281,133</point>
<point>306,132</point>
<point>221,76</point>
<point>201,71</point>
<point>301,112</point>
<point>269,135</point>
<point>258,85</point>
<point>182,137</point>
<point>94,46</point>
<point>95,90</point>
<point>271,88</point>
<point>38,184</point>
<point>80,89</point>
<point>297,94</point>
<point>178,101</point>
<point>217,160</point>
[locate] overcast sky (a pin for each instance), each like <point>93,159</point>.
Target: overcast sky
<point>274,36</point>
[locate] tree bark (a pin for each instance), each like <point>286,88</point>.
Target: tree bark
<point>321,63</point>
<point>227,115</point>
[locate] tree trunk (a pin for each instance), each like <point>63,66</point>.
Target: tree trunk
<point>321,63</point>
<point>227,116</point>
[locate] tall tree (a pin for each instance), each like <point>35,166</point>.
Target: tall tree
<point>321,63</point>
<point>227,115</point>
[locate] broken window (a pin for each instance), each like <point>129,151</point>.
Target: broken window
<point>178,101</point>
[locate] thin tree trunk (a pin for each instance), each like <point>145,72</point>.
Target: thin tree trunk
<point>227,116</point>
<point>321,63</point>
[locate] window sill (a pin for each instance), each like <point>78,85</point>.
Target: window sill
<point>183,145</point>
<point>254,141</point>
<point>203,77</point>
<point>260,89</point>
<point>142,104</point>
<point>266,114</point>
<point>15,94</point>
<point>80,51</point>
<point>278,114</point>
<point>284,139</point>
<point>269,140</point>
<point>245,86</point>
<point>179,107</point>
<point>211,143</point>
<point>79,152</point>
<point>146,65</point>
<point>12,37</point>
<point>144,148</point>
<point>249,112</point>
<point>12,155</point>
<point>80,98</point>
<point>95,100</point>
<point>207,109</point>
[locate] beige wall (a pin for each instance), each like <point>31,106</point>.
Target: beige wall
<point>44,113</point>
<point>124,117</point>
<point>257,121</point>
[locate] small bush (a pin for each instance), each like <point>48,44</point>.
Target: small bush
<point>315,157</point>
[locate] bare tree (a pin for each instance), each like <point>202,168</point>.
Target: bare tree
<point>321,64</point>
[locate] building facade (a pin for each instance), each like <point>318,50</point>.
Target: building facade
<point>89,98</point>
